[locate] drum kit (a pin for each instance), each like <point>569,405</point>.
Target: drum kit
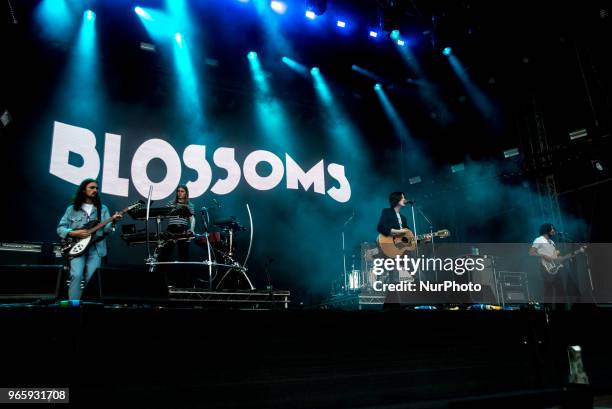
<point>218,240</point>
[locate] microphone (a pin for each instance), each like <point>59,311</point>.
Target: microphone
<point>411,202</point>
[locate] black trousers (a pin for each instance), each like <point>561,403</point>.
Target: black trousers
<point>179,276</point>
<point>554,291</point>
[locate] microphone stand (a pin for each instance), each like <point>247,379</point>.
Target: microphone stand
<point>414,226</point>
<point>345,288</point>
<point>433,246</point>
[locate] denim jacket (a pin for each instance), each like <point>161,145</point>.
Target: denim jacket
<point>75,219</point>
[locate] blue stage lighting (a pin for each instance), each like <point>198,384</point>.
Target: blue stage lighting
<point>142,13</point>
<point>278,6</point>
<point>341,24</point>
<point>395,34</point>
<point>401,42</point>
<point>252,55</point>
<point>373,34</point>
<point>90,15</point>
<point>310,14</point>
<point>377,87</point>
<point>447,51</point>
<point>314,70</point>
<point>178,38</point>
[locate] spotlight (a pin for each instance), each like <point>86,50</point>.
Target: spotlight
<point>314,70</point>
<point>310,14</point>
<point>508,153</point>
<point>377,87</point>
<point>147,46</point>
<point>578,133</point>
<point>278,6</point>
<point>458,168</point>
<point>414,180</point>
<point>401,42</point>
<point>318,7</point>
<point>178,37</point>
<point>5,118</point>
<point>395,34</point>
<point>142,13</point>
<point>597,165</point>
<point>90,15</point>
<point>447,51</point>
<point>252,55</point>
<point>341,24</point>
<point>373,34</point>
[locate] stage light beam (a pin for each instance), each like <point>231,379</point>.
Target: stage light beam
<point>271,116</point>
<point>341,24</point>
<point>295,66</point>
<point>310,14</point>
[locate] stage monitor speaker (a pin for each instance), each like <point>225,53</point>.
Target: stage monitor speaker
<point>20,282</point>
<point>126,284</point>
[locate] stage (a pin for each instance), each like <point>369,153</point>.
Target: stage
<point>156,356</point>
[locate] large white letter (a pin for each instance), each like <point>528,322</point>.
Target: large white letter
<point>194,157</point>
<point>263,182</point>
<point>111,182</point>
<point>151,149</point>
<point>343,193</point>
<point>295,174</point>
<point>66,139</point>
<point>224,158</point>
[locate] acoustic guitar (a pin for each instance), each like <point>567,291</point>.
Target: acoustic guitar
<point>399,245</point>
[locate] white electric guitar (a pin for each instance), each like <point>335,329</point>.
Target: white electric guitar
<point>75,247</point>
<point>552,267</point>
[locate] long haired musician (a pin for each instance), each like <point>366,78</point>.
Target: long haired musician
<point>545,249</point>
<point>86,206</point>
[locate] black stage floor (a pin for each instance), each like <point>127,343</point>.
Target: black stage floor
<point>197,358</point>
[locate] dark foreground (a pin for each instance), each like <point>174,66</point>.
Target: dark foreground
<point>196,358</point>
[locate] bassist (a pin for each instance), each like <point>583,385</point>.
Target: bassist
<point>86,206</point>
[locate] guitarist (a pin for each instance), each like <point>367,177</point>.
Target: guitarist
<point>392,222</point>
<point>86,206</point>
<point>544,248</point>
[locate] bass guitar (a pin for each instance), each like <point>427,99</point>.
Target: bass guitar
<point>399,245</point>
<point>76,246</point>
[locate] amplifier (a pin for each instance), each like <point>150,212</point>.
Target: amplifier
<point>12,252</point>
<point>514,287</point>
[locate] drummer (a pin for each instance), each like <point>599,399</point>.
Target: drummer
<point>179,225</point>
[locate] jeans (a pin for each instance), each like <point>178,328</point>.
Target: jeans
<point>87,264</point>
